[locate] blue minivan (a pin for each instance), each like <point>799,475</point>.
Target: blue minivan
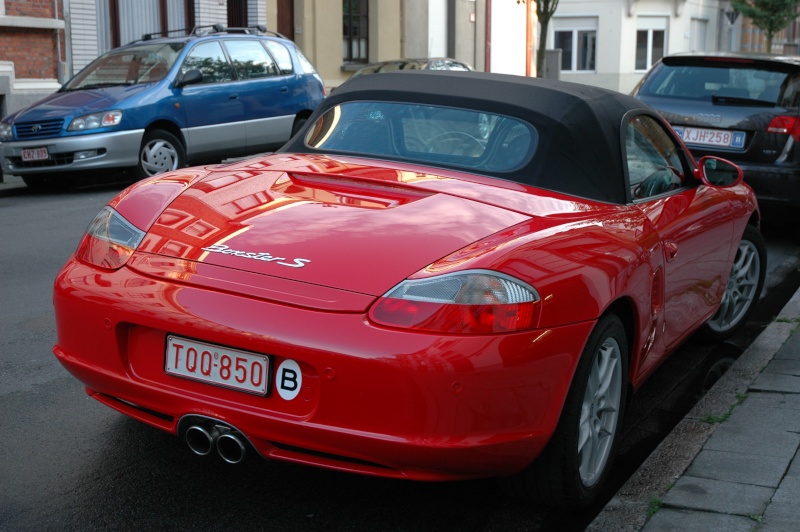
<point>159,104</point>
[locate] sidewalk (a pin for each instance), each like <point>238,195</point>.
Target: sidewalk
<point>732,463</point>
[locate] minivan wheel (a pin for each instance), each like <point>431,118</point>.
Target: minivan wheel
<point>161,152</point>
<point>298,125</point>
<point>48,182</point>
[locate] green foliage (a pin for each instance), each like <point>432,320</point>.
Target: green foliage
<point>771,16</point>
<point>653,506</point>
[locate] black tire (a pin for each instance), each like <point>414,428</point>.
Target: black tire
<point>160,152</point>
<point>49,182</point>
<point>743,289</point>
<point>574,465</point>
<point>298,125</point>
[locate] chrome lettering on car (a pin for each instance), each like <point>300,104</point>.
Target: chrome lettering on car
<point>708,118</point>
<point>267,257</point>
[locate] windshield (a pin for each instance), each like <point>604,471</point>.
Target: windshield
<point>720,82</point>
<point>128,66</point>
<point>446,136</point>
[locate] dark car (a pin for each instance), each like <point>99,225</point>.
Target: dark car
<point>740,107</point>
<point>427,63</point>
<point>160,103</point>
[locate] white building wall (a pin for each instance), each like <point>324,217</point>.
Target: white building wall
<point>617,24</point>
<point>208,12</point>
<point>508,36</point>
<point>257,13</point>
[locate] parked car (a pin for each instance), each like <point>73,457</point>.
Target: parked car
<point>392,295</point>
<point>742,107</point>
<point>426,63</point>
<point>160,103</point>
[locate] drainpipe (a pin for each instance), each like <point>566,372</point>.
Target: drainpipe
<point>487,49</point>
<point>60,67</point>
<point>528,39</point>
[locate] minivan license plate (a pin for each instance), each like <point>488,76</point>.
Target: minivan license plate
<point>217,365</point>
<point>35,154</point>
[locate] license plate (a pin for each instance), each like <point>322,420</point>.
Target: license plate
<point>711,137</point>
<point>35,154</point>
<point>217,365</point>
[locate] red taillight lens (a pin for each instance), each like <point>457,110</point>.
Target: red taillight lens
<point>786,125</point>
<point>450,318</point>
<point>110,240</point>
<point>471,302</point>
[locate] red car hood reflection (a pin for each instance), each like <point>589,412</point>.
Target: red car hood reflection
<point>357,234</point>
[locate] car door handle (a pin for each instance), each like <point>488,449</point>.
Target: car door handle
<point>284,89</point>
<point>233,97</point>
<point>671,249</point>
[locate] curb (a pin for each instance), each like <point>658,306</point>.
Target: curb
<point>628,510</point>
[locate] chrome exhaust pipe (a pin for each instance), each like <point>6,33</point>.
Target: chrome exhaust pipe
<point>201,440</point>
<point>231,447</point>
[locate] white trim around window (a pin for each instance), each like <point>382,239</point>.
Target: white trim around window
<point>577,39</point>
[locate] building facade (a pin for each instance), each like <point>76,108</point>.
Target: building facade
<point>607,43</point>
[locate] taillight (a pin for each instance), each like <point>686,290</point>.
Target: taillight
<point>469,302</point>
<point>110,240</point>
<point>786,125</point>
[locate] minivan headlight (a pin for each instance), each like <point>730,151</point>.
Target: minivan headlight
<point>6,131</point>
<point>95,120</point>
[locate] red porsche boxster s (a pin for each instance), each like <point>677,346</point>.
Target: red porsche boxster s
<point>444,275</point>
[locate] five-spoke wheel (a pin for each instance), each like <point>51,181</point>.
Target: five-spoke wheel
<point>743,288</point>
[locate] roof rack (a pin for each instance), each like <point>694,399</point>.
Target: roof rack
<point>215,28</point>
<point>253,30</point>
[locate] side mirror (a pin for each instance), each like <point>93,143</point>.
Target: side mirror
<point>188,78</point>
<point>718,172</point>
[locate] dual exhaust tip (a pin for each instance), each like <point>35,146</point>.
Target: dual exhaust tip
<point>203,438</point>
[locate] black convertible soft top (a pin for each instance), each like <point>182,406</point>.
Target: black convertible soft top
<point>579,126</point>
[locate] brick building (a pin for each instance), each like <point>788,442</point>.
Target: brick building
<point>32,50</point>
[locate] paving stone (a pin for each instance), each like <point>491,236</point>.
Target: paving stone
<point>717,496</point>
<point>772,441</point>
<point>794,469</point>
<point>780,517</point>
<point>789,493</point>
<point>789,401</point>
<point>668,519</point>
<point>776,382</point>
<point>784,366</point>
<point>753,417</point>
<point>739,467</point>
<point>791,348</point>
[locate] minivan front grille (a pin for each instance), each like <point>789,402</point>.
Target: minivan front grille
<point>37,130</point>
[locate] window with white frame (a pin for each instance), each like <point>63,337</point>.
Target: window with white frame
<point>577,39</point>
<point>651,41</point>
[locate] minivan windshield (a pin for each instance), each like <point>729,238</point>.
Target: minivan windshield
<point>146,63</point>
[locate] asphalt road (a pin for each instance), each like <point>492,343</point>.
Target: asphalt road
<point>70,463</point>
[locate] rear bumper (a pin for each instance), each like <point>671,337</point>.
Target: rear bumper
<point>373,401</point>
<point>777,187</point>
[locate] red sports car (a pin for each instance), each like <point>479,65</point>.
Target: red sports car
<point>444,275</point>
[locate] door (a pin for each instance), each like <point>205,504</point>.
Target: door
<point>264,92</point>
<point>694,224</point>
<point>286,18</point>
<point>214,111</point>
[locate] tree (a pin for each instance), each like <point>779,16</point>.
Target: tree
<point>544,12</point>
<point>770,16</point>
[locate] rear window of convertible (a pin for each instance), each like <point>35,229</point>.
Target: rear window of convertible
<point>446,136</point>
